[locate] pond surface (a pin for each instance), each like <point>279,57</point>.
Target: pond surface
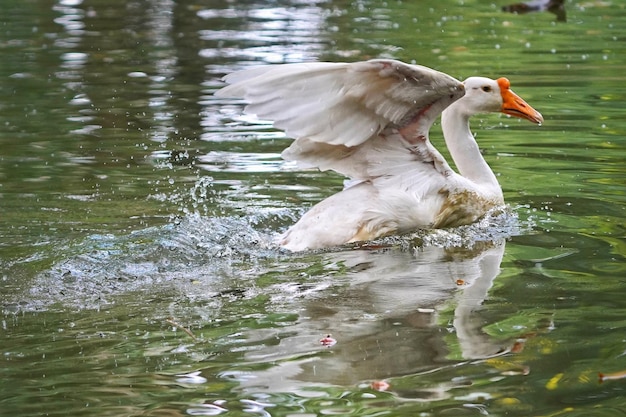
<point>137,213</point>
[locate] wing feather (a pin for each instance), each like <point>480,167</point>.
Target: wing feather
<point>342,104</point>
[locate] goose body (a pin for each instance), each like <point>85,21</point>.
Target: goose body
<point>370,121</point>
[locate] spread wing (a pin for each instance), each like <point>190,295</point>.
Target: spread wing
<point>333,109</point>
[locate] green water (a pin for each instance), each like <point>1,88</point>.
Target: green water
<point>134,206</point>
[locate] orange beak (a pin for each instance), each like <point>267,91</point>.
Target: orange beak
<point>514,105</point>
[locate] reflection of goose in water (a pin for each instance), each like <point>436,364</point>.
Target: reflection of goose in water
<point>383,312</point>
<point>370,121</point>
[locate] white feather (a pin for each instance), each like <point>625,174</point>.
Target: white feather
<point>338,103</point>
<point>370,121</point>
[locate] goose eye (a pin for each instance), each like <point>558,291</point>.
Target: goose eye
<point>486,89</point>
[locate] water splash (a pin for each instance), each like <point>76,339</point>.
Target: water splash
<point>193,249</point>
<point>200,252</point>
<point>500,223</point>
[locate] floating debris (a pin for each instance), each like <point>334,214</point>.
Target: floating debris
<point>328,341</point>
<point>614,375</point>
<point>553,383</point>
<point>178,325</point>
<point>380,385</point>
<point>518,346</point>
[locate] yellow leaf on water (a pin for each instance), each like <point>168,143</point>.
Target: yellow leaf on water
<point>508,401</point>
<point>554,381</point>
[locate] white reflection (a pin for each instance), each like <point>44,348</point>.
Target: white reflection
<point>74,59</point>
<point>74,70</point>
<point>191,378</point>
<point>265,34</point>
<point>240,162</point>
<point>386,315</point>
<point>73,62</point>
<point>72,21</point>
<point>161,27</point>
<point>205,410</point>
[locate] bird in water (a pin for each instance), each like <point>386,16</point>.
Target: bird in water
<point>370,121</point>
<point>554,6</point>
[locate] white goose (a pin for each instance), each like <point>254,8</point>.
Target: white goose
<point>370,121</point>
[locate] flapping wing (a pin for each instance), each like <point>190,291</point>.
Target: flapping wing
<point>340,104</point>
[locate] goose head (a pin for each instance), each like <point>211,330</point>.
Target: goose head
<point>484,95</point>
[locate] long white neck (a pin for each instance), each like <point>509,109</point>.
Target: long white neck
<point>464,149</point>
